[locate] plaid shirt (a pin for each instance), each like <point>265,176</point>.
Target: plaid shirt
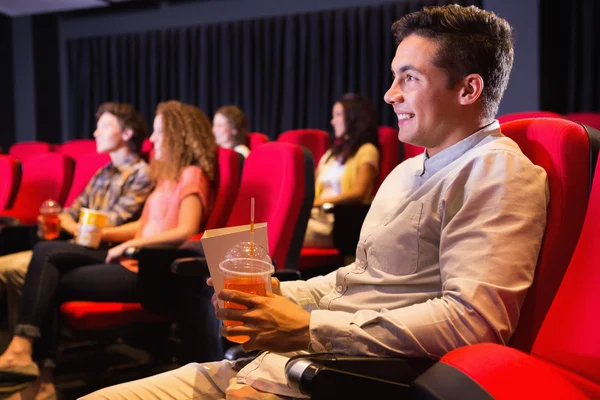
<point>120,191</point>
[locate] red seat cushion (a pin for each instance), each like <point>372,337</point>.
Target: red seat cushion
<point>25,150</point>
<point>507,373</point>
<point>315,140</point>
<point>588,118</point>
<point>76,148</point>
<point>89,315</point>
<point>527,114</point>
<point>313,257</point>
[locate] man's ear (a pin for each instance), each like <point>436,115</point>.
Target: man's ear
<point>127,134</point>
<point>471,89</point>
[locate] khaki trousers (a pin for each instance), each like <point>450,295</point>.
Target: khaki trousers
<point>213,380</point>
<point>13,268</point>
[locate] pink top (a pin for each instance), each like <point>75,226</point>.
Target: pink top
<point>161,211</point>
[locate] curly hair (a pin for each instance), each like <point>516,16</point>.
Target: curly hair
<point>470,41</point>
<point>360,119</point>
<point>128,118</point>
<point>187,140</point>
<point>237,119</point>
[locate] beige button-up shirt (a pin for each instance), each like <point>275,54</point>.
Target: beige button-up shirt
<point>445,257</point>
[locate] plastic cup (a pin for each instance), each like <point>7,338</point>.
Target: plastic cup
<point>48,221</point>
<point>248,268</point>
<point>91,223</point>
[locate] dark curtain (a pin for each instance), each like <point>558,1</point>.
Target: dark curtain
<point>285,72</point>
<point>570,55</point>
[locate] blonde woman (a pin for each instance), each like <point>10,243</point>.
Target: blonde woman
<point>184,167</point>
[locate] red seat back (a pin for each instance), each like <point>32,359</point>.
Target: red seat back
<point>10,173</point>
<point>562,148</point>
<point>229,171</point>
<point>274,175</point>
<point>256,139</point>
<point>85,167</point>
<point>411,151</point>
<point>76,148</point>
<point>527,114</point>
<point>315,140</point>
<point>588,118</point>
<point>570,335</point>
<point>389,153</point>
<point>25,150</point>
<point>46,176</point>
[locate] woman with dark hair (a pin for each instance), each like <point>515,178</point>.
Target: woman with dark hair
<point>347,172</point>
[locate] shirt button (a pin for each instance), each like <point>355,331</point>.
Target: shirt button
<point>339,289</point>
<point>328,346</point>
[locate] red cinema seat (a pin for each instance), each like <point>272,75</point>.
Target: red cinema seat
<point>10,175</point>
<point>528,114</point>
<point>76,148</point>
<point>25,150</point>
<point>411,151</point>
<point>316,140</point>
<point>588,118</point>
<point>256,139</point>
<point>85,168</point>
<point>43,177</point>
<point>389,153</point>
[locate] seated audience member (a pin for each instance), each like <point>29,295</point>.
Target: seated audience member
<point>230,128</point>
<point>346,173</point>
<point>118,189</point>
<point>447,250</point>
<point>184,167</point>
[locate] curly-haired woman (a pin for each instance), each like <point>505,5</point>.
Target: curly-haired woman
<point>184,167</point>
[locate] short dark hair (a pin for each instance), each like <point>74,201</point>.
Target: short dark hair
<point>128,118</point>
<point>360,120</point>
<point>470,40</point>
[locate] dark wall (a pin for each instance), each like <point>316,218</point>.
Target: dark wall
<point>7,112</point>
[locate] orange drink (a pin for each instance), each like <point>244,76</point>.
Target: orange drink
<point>50,226</point>
<point>251,285</point>
<point>247,267</point>
<point>48,221</point>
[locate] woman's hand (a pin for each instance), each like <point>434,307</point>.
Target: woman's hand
<point>115,253</point>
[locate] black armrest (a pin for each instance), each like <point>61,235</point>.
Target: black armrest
<point>338,376</point>
<point>190,266</point>
<point>287,275</point>
<point>155,253</point>
<point>444,382</point>
<point>15,236</point>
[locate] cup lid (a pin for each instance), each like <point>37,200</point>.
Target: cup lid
<point>247,258</point>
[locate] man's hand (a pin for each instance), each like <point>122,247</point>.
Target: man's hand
<point>273,322</point>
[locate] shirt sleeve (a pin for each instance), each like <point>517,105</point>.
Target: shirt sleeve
<point>195,182</point>
<point>135,190</point>
<point>307,294</point>
<point>493,216</point>
<point>368,153</point>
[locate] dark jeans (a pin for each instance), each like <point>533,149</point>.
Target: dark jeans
<point>59,272</point>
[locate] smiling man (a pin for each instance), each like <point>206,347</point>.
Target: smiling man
<point>448,249</point>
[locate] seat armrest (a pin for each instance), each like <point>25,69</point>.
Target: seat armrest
<point>348,223</point>
<point>15,237</point>
<point>162,253</point>
<point>190,266</point>
<point>325,374</point>
<point>287,275</point>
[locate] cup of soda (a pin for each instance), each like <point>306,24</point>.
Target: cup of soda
<point>48,221</point>
<point>246,267</point>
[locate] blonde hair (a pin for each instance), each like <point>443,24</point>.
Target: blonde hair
<point>187,140</point>
<point>237,119</point>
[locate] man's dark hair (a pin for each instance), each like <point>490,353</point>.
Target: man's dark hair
<point>360,120</point>
<point>128,118</point>
<point>470,41</point>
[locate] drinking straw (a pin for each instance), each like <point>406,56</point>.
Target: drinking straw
<point>252,225</point>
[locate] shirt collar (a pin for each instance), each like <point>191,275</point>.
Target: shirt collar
<point>433,164</point>
<point>127,163</point>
